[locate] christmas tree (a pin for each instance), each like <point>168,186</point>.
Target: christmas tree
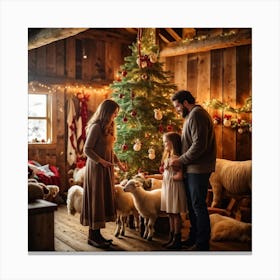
<point>143,91</point>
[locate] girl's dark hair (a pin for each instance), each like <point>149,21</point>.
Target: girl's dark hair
<point>183,95</point>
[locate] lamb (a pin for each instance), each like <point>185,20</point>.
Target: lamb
<point>124,205</point>
<point>226,228</point>
<point>147,203</point>
<point>149,183</point>
<point>124,208</point>
<point>74,199</point>
<point>233,176</point>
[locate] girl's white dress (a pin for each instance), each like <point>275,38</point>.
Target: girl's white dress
<point>173,195</point>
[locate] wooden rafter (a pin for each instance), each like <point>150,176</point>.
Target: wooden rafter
<point>239,38</point>
<point>173,34</point>
<point>48,35</point>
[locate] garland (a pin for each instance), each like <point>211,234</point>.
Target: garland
<point>216,104</point>
<point>235,123</point>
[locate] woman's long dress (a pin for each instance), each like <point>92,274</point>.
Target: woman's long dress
<point>98,205</point>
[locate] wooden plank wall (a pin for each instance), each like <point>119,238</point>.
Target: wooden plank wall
<point>223,74</point>
<point>60,64</point>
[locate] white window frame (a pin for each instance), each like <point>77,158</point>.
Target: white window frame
<point>48,117</point>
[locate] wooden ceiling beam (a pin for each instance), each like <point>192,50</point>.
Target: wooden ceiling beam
<point>164,39</point>
<point>226,40</point>
<point>132,30</point>
<point>173,34</point>
<point>48,35</point>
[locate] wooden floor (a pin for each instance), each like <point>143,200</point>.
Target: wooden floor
<point>71,236</point>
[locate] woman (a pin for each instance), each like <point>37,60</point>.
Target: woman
<point>98,205</point>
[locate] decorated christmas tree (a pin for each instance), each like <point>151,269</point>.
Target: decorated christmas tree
<point>143,91</point>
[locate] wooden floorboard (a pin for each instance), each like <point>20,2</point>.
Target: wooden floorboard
<point>71,236</point>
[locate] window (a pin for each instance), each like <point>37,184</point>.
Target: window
<point>39,118</point>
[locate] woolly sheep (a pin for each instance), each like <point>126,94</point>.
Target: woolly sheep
<point>74,199</point>
<point>124,208</point>
<point>124,205</point>
<point>147,203</point>
<point>226,228</point>
<point>233,176</point>
<point>78,176</point>
<point>149,183</point>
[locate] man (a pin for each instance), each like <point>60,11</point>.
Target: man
<point>199,160</point>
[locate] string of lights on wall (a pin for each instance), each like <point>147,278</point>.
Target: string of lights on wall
<point>102,90</point>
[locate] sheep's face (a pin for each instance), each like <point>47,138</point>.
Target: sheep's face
<point>132,185</point>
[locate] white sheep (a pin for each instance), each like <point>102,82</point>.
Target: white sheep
<point>147,203</point>
<point>78,176</point>
<point>124,208</point>
<point>226,228</point>
<point>74,199</point>
<point>233,176</point>
<point>149,182</point>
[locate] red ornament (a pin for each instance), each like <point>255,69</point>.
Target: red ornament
<point>124,73</point>
<point>124,147</point>
<point>133,113</point>
<point>160,128</point>
<point>121,95</point>
<point>125,119</point>
<point>169,127</point>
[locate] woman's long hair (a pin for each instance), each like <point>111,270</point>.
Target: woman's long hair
<point>103,115</point>
<point>175,140</point>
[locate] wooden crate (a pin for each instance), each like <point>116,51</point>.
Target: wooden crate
<point>41,225</point>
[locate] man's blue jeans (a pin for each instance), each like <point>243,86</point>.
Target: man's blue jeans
<point>196,191</point>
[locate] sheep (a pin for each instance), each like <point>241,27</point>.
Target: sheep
<point>147,203</point>
<point>74,199</point>
<point>233,176</point>
<point>78,176</point>
<point>226,228</point>
<point>149,183</point>
<point>124,208</point>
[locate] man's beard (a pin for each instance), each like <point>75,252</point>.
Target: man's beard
<point>185,112</point>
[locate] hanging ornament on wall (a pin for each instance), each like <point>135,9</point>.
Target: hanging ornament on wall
<point>227,120</point>
<point>216,119</point>
<point>137,146</point>
<point>157,114</point>
<point>240,130</point>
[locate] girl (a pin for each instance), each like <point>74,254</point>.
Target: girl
<point>173,197</point>
<point>98,199</point>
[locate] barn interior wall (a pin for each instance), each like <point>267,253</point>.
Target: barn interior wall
<point>224,74</point>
